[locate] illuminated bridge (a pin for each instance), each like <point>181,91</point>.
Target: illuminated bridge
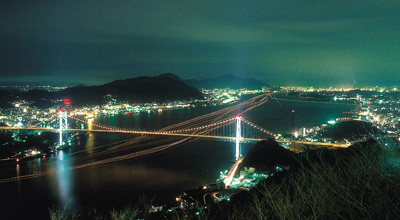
<point>228,124</point>
<point>216,125</point>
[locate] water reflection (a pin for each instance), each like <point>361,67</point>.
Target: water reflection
<point>90,141</point>
<point>18,174</point>
<point>137,121</point>
<point>64,180</point>
<point>112,121</point>
<point>17,171</point>
<point>90,123</point>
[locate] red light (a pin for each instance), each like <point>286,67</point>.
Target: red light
<point>67,101</point>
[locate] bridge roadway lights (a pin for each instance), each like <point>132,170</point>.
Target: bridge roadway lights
<point>237,139</point>
<point>335,145</point>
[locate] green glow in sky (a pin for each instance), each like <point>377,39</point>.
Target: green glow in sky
<point>337,42</point>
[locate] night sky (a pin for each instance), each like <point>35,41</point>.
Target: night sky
<point>306,43</point>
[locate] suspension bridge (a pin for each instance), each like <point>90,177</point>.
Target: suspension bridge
<point>228,124</point>
<point>236,129</point>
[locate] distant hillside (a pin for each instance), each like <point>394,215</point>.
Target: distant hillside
<point>165,87</point>
<point>233,82</point>
<point>5,98</point>
<point>351,130</point>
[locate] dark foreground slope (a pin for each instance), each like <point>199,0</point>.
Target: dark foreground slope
<point>360,182</point>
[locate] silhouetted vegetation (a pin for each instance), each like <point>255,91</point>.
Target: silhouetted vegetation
<point>362,182</point>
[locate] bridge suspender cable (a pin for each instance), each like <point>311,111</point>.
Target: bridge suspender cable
<point>238,137</point>
<point>63,125</point>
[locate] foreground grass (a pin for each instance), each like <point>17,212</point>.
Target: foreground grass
<point>140,210</point>
<point>358,183</point>
<point>358,187</point>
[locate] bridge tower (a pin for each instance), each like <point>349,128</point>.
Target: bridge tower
<point>238,137</point>
<point>63,124</point>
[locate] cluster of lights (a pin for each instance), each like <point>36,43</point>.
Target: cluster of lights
<point>332,122</point>
<point>41,122</point>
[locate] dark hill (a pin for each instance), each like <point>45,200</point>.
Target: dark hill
<point>228,81</point>
<point>351,130</point>
<point>362,92</point>
<point>5,99</point>
<point>266,155</point>
<point>35,95</point>
<point>170,75</point>
<point>165,87</point>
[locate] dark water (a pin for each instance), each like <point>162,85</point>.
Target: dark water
<point>164,175</point>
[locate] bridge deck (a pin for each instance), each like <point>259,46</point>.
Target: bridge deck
<point>179,135</point>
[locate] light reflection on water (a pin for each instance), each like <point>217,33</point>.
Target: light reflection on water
<point>64,179</point>
<point>90,143</point>
<point>17,173</point>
